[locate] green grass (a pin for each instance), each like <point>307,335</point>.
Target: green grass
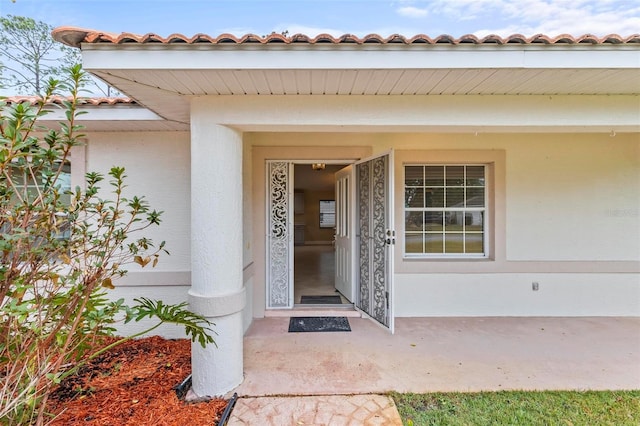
<point>520,408</point>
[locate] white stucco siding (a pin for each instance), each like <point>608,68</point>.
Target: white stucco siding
<point>170,294</point>
<point>567,216</point>
<point>569,197</point>
<point>566,210</point>
<point>247,234</point>
<point>247,205</point>
<point>513,295</point>
<point>575,197</point>
<point>157,165</point>
<point>433,113</point>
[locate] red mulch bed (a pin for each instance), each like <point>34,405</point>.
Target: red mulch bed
<point>132,385</point>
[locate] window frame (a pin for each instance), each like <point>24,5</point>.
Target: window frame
<point>485,211</point>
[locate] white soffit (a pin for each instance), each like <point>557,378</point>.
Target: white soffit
<point>164,77</point>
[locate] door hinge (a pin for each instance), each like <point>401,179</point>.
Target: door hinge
<point>386,295</point>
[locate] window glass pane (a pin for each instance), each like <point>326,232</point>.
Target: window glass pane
<point>475,175</point>
<point>32,193</point>
<point>413,176</point>
<point>474,221</point>
<point>434,175</point>
<point>455,197</point>
<point>64,185</point>
<point>64,181</point>
<point>345,210</point>
<point>475,197</point>
<point>445,209</point>
<point>413,221</point>
<point>433,243</point>
<point>18,177</point>
<point>413,243</point>
<point>327,213</point>
<point>433,221</point>
<point>453,243</point>
<point>453,221</point>
<point>414,197</point>
<point>434,197</point>
<point>474,243</point>
<point>455,175</point>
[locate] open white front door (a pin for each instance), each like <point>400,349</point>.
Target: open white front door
<point>375,238</point>
<point>345,238</point>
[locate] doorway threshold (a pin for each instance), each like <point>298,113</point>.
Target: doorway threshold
<point>345,310</point>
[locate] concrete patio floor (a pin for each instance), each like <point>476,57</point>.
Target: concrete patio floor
<point>443,354</point>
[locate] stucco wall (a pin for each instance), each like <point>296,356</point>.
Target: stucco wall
<point>566,211</point>
<point>247,236</point>
<point>158,166</point>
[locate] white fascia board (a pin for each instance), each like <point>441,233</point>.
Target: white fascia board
<point>106,113</point>
<point>201,57</point>
<point>584,113</point>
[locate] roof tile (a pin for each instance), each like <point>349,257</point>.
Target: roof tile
<point>57,100</point>
<point>74,36</point>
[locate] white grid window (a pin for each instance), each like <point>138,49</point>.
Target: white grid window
<point>31,190</point>
<point>445,210</point>
<point>327,214</point>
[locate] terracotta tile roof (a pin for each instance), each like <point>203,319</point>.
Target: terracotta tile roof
<point>73,36</point>
<point>81,101</point>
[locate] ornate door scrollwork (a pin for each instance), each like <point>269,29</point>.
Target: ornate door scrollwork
<point>279,256</point>
<point>375,240</point>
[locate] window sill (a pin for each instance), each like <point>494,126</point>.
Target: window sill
<point>447,259</point>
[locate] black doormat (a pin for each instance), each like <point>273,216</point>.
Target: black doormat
<point>321,300</point>
<point>318,324</point>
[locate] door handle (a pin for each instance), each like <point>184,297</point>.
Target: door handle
<point>391,237</point>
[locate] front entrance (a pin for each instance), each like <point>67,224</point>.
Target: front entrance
<point>358,216</point>
<point>314,252</point>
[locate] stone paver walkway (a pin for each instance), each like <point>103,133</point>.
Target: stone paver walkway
<point>321,410</point>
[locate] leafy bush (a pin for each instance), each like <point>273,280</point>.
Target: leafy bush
<point>61,248</point>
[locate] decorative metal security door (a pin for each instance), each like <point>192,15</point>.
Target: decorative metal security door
<point>279,234</point>
<point>376,238</point>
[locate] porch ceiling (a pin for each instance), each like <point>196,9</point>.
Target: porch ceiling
<point>168,92</point>
<point>164,77</point>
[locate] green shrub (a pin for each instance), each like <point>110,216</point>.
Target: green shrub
<point>61,249</point>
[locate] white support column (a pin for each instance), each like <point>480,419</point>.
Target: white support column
<point>216,253</point>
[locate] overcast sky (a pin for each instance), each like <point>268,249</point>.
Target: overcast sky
<point>359,17</point>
